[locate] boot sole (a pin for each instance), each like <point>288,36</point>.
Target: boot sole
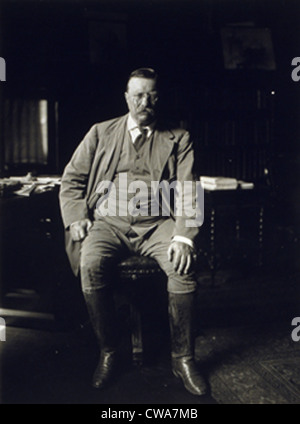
<point>177,375</point>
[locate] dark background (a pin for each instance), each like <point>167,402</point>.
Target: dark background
<point>47,48</point>
<point>79,54</point>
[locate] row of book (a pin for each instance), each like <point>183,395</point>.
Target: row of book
<point>247,99</point>
<point>231,132</point>
<point>218,99</point>
<point>243,164</point>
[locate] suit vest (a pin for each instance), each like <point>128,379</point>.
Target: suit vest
<point>128,204</point>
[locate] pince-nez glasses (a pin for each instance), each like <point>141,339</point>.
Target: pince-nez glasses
<point>152,96</point>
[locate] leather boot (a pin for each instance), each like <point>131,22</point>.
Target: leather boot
<point>181,311</point>
<point>101,309</point>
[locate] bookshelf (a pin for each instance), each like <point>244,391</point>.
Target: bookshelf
<point>232,128</point>
<point>234,132</point>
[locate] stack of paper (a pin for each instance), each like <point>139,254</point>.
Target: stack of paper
<point>218,183</point>
<point>29,184</point>
<point>28,179</point>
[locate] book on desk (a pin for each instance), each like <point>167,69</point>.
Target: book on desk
<point>224,183</point>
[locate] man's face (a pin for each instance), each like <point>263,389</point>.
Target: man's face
<point>141,98</point>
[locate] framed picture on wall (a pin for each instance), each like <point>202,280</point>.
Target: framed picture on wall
<point>247,48</point>
<point>107,38</point>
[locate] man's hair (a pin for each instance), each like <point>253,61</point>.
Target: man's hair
<point>147,73</point>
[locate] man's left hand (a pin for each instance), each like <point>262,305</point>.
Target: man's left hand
<point>181,254</point>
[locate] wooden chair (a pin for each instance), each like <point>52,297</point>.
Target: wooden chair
<point>134,271</point>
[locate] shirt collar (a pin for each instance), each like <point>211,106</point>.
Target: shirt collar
<point>134,130</point>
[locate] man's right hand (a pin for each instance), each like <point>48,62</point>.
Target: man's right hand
<point>80,229</point>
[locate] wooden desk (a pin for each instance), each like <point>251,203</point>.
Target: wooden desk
<point>28,231</point>
<point>233,227</point>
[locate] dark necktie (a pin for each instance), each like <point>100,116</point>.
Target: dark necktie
<point>140,140</point>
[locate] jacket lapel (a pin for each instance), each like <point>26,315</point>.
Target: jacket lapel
<point>163,144</point>
<point>116,137</point>
<point>106,159</point>
<point>162,147</point>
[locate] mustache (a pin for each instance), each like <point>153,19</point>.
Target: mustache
<point>146,109</point>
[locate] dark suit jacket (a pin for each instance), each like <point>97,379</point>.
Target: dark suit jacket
<point>96,159</point>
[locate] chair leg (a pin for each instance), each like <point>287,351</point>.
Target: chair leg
<point>136,336</point>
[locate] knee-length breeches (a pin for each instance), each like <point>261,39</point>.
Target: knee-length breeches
<point>105,246</point>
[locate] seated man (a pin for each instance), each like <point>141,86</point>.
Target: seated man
<point>106,219</point>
